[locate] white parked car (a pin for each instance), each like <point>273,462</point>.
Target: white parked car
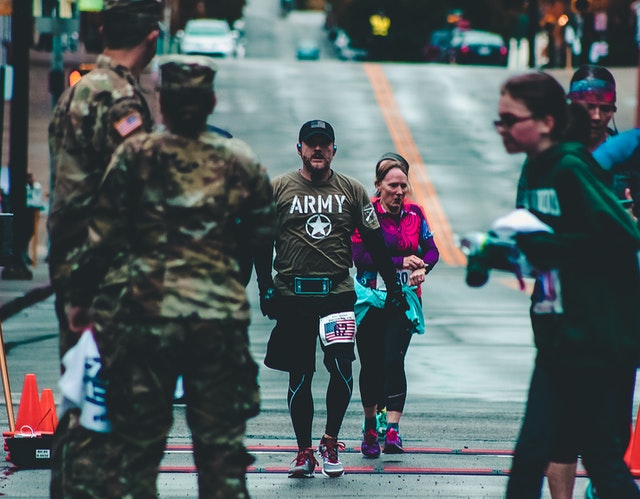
<point>212,37</point>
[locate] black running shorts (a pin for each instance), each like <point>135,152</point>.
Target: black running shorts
<point>292,345</point>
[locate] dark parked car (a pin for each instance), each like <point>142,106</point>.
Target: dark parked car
<point>478,47</point>
<point>437,50</point>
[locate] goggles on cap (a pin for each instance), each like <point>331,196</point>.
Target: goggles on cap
<point>593,90</point>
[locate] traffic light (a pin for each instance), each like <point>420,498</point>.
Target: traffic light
<point>581,6</point>
<point>453,16</point>
<point>380,24</point>
<point>76,73</point>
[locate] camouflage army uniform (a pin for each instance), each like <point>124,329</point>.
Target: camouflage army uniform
<point>90,120</point>
<point>164,232</point>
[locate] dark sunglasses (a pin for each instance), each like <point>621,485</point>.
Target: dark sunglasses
<point>509,120</point>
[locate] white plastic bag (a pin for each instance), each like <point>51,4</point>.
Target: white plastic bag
<point>82,386</point>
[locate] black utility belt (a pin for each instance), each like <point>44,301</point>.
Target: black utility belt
<point>313,285</point>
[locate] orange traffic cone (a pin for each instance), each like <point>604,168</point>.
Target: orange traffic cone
<point>29,412</point>
<point>632,456</point>
<point>49,419</point>
<point>627,454</point>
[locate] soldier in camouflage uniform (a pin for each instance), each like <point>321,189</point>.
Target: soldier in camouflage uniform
<point>164,231</point>
<point>90,120</point>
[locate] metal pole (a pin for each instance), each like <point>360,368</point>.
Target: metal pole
<point>534,22</point>
<point>3,78</point>
<point>56,75</point>
<point>637,121</point>
<point>5,383</point>
<point>34,240</point>
<point>21,30</point>
<point>635,7</point>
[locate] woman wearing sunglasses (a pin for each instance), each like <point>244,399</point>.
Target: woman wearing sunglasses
<point>585,330</point>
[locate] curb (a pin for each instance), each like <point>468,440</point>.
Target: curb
<point>30,298</point>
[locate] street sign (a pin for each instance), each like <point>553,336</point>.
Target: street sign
<point>57,25</point>
<point>8,89</point>
<point>380,24</point>
<point>600,21</point>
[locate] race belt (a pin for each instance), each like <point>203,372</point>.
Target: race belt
<point>313,285</point>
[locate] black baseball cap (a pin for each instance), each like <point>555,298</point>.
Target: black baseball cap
<point>316,127</point>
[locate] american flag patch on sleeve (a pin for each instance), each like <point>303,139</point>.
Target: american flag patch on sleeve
<point>128,124</point>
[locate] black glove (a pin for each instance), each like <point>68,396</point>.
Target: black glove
<point>269,302</point>
<point>396,300</point>
<point>477,269</point>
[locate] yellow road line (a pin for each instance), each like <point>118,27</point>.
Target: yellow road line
<point>423,191</point>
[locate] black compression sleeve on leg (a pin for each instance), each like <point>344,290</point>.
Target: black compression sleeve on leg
<point>338,393</point>
<point>397,341</point>
<point>300,403</point>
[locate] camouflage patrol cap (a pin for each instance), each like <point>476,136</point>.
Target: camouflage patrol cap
<point>134,7</point>
<point>187,72</point>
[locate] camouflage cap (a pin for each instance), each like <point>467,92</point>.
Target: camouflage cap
<point>132,7</point>
<point>187,72</point>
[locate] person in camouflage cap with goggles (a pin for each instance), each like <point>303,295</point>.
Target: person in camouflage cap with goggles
<point>125,20</point>
<point>187,73</point>
<point>89,121</point>
<point>173,201</point>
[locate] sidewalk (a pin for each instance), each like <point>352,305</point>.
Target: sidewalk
<point>16,295</point>
<point>40,109</point>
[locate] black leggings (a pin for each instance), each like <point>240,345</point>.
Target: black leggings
<point>300,399</point>
<point>583,395</point>
<point>383,339</point>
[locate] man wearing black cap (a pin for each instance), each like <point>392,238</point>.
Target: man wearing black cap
<point>89,121</point>
<point>313,294</point>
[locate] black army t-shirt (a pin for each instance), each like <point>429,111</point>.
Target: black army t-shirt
<point>316,221</point>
